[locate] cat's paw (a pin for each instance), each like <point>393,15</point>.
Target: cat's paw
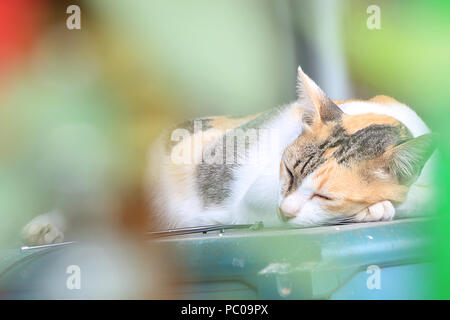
<point>40,233</point>
<point>380,211</point>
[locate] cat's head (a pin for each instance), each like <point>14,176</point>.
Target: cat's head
<point>344,163</point>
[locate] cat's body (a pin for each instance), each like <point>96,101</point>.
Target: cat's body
<point>200,194</point>
<point>190,191</point>
<point>316,160</point>
<point>253,191</point>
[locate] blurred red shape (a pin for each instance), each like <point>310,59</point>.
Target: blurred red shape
<point>20,25</point>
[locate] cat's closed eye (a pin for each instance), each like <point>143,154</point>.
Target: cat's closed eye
<point>321,197</point>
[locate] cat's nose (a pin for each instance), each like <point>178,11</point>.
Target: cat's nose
<point>289,208</point>
<point>284,216</point>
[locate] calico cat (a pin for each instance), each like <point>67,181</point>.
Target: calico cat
<point>309,163</point>
<point>315,161</point>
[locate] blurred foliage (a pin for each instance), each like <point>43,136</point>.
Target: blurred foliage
<point>407,58</point>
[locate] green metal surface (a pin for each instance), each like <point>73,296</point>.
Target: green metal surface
<point>315,263</point>
<point>298,263</point>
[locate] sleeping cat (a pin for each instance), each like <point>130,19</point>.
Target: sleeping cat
<point>312,162</point>
<point>315,161</point>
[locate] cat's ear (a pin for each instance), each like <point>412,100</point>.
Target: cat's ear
<point>407,159</point>
<point>315,102</point>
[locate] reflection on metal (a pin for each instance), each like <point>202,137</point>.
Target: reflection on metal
<point>171,232</point>
<point>204,229</point>
<point>276,268</point>
<point>25,248</point>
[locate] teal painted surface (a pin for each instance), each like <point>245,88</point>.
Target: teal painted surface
<point>315,263</point>
<point>301,264</point>
<point>399,282</point>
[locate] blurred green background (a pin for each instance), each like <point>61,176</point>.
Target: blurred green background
<point>79,108</point>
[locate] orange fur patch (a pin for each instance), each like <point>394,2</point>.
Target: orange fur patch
<point>329,152</point>
<point>320,131</point>
<point>380,99</point>
<point>353,123</point>
<point>339,102</point>
<point>352,189</point>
